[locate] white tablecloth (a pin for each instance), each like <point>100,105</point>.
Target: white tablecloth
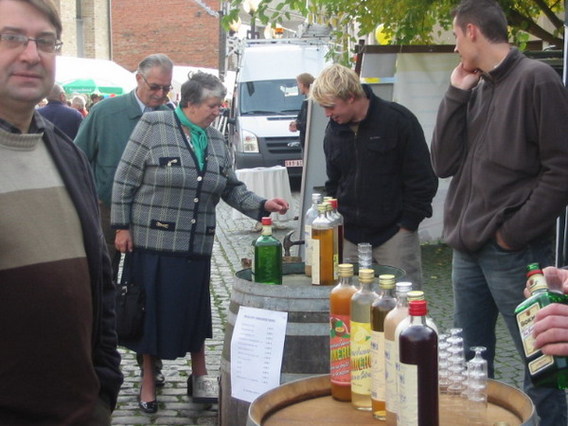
<point>267,182</point>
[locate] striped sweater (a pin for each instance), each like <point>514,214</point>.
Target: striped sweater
<point>164,199</point>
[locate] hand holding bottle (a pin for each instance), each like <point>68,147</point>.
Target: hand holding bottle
<point>551,329</point>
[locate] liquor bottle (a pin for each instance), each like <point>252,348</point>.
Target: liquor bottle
<point>267,256</point>
<point>410,296</point>
<point>333,220</point>
<point>392,320</point>
<point>309,217</point>
<point>379,310</point>
<point>418,376</point>
<point>545,370</point>
<point>322,248</point>
<point>361,341</point>
<point>340,333</point>
<point>338,218</point>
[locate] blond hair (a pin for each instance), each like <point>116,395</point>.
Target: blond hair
<point>336,81</point>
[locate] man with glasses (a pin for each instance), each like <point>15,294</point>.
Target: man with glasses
<point>106,130</point>
<point>58,363</point>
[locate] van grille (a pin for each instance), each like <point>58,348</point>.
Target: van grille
<point>280,145</point>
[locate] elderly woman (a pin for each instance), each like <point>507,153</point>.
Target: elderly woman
<point>173,172</point>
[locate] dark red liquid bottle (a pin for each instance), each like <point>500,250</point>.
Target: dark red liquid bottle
<point>418,375</point>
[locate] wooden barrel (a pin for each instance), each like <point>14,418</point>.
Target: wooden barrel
<point>309,402</point>
<point>306,345</point>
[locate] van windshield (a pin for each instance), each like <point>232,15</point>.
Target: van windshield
<point>273,97</point>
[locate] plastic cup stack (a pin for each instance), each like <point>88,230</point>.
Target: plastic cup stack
<point>457,375</point>
<point>443,363</point>
<point>477,387</point>
<point>365,253</point>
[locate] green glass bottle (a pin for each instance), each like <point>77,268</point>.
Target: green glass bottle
<point>545,370</point>
<point>267,267</point>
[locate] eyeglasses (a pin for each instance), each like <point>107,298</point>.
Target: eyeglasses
<point>155,87</point>
<point>44,44</point>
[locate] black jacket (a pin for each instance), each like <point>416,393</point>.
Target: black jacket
<point>75,171</point>
<point>381,175</point>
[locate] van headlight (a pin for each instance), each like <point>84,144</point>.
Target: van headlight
<point>249,140</point>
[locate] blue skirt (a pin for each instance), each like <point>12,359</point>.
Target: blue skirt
<point>178,304</point>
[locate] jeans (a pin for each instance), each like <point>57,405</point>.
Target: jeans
<point>491,281</point>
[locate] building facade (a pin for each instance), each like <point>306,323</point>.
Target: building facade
<point>126,31</point>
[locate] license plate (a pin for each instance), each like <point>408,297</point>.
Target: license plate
<point>294,163</point>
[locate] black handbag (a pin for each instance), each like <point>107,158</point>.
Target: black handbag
<point>130,299</point>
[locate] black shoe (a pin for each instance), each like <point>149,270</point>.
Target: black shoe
<point>149,407</point>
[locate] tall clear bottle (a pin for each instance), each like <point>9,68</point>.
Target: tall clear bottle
<point>338,219</point>
<point>267,266</point>
<point>544,370</point>
<point>418,376</point>
<point>361,341</point>
<point>322,248</point>
<point>309,217</point>
<point>392,320</point>
<point>385,303</point>
<point>340,333</point>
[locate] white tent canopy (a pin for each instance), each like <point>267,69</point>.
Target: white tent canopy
<point>70,69</point>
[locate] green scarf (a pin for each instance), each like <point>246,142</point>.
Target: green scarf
<point>198,137</point>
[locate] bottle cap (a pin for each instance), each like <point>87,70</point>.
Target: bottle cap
<point>333,202</point>
<point>386,281</point>
<point>415,295</point>
<point>366,275</point>
<point>533,268</point>
<point>322,208</point>
<point>345,270</point>
<point>267,221</point>
<point>417,308</point>
<point>316,198</point>
<point>403,287</point>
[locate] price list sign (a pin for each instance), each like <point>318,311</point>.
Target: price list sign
<point>257,346</point>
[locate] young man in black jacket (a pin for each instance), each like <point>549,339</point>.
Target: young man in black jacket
<point>378,168</point>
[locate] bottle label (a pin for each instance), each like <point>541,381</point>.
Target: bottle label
<point>340,349</point>
<point>408,394</point>
<point>378,366</point>
<point>308,244</point>
<point>361,357</point>
<point>316,265</point>
<point>390,376</point>
<point>539,364</point>
<point>525,322</point>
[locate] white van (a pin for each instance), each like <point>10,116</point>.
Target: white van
<point>266,99</point>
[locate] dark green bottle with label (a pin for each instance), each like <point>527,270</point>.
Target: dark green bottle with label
<point>545,370</point>
<point>267,264</point>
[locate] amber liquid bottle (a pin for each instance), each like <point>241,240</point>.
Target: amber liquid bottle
<point>338,220</point>
<point>393,318</point>
<point>322,248</point>
<point>361,341</point>
<point>379,310</point>
<point>340,334</point>
<point>418,375</point>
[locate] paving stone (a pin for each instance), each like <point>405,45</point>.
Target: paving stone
<point>233,242</point>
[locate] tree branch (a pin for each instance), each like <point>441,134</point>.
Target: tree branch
<point>528,25</point>
<point>555,20</point>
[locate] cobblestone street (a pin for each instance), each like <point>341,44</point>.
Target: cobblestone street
<point>233,242</point>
